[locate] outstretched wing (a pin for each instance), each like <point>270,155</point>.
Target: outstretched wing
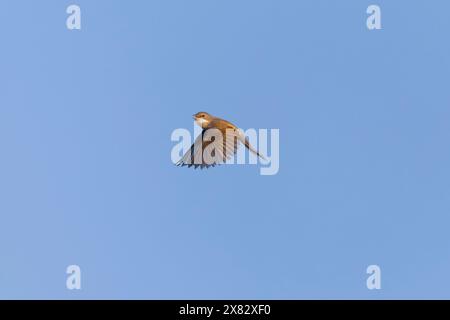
<point>212,147</point>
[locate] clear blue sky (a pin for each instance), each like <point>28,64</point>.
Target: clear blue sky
<point>85,171</point>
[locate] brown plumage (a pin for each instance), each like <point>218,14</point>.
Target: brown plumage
<point>219,136</point>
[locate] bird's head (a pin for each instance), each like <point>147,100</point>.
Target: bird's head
<point>202,119</point>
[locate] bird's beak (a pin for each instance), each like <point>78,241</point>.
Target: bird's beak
<point>194,117</point>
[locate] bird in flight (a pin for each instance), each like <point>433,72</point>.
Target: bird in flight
<point>219,138</point>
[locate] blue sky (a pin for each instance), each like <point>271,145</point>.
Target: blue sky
<point>85,170</point>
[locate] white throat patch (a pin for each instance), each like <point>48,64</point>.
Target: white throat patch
<point>200,121</point>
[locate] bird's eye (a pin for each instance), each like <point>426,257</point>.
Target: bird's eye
<point>202,116</point>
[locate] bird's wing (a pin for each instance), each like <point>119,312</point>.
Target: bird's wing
<point>212,147</point>
<point>247,144</point>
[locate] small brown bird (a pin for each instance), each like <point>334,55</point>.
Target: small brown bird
<point>219,136</point>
